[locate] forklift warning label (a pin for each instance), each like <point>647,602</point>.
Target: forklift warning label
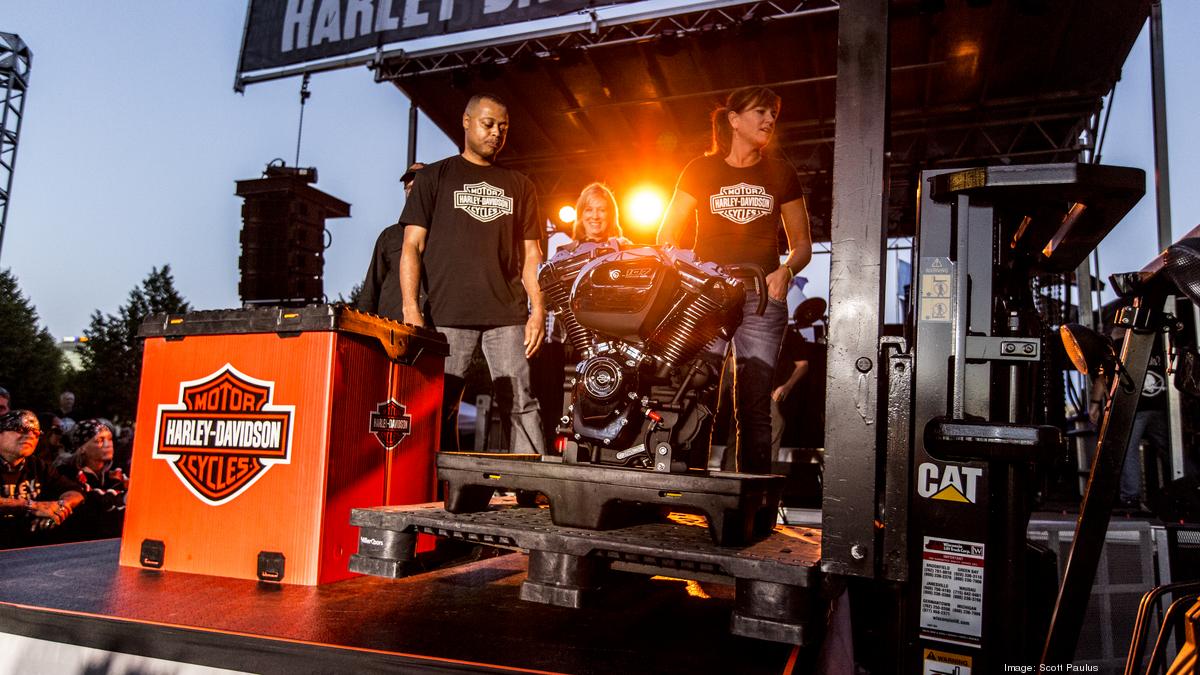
<point>952,590</point>
<point>223,434</point>
<point>945,663</point>
<point>937,278</point>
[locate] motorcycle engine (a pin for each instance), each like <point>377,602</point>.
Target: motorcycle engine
<point>639,321</point>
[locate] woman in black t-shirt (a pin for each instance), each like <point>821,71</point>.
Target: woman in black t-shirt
<point>739,197</point>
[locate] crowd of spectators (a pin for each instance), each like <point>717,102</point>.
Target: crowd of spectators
<point>63,474</point>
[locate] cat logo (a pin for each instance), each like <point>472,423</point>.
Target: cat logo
<point>742,203</point>
<point>951,483</point>
<point>483,202</point>
<point>224,434</point>
<point>390,423</point>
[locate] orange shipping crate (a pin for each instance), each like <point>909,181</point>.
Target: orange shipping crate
<point>259,430</point>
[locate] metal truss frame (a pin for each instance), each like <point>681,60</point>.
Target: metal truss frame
<point>16,59</point>
<point>564,45</point>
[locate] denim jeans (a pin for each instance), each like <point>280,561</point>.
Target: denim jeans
<point>1152,426</point>
<point>504,350</point>
<point>755,350</point>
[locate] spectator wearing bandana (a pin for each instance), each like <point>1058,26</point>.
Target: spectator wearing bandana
<point>34,496</point>
<point>91,465</point>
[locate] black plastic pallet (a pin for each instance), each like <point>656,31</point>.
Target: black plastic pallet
<point>777,589</point>
<point>738,507</point>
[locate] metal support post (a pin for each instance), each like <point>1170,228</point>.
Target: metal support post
<point>412,135</point>
<point>858,231</point>
<point>1162,193</point>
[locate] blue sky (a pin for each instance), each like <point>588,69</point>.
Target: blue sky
<point>133,139</point>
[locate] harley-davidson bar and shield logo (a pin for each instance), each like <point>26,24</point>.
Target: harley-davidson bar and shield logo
<point>742,203</point>
<point>484,202</point>
<point>224,434</point>
<point>390,423</point>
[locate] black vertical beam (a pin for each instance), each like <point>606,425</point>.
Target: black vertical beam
<point>412,135</point>
<point>1158,99</point>
<point>856,279</point>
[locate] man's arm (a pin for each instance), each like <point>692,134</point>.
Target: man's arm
<point>535,326</point>
<point>410,273</point>
<point>799,236</point>
<point>681,208</point>
<point>799,370</point>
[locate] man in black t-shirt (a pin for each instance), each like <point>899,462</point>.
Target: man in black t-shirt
<point>34,496</point>
<point>472,242</point>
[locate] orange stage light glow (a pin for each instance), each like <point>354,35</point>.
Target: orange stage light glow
<point>644,208</point>
<point>567,214</point>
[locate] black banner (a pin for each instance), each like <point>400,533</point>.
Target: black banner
<point>286,32</point>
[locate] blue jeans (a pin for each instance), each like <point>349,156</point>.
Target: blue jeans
<point>504,350</point>
<point>755,350</point>
<point>1152,426</point>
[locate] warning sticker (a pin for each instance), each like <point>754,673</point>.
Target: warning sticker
<point>937,277</point>
<point>952,590</point>
<point>945,663</point>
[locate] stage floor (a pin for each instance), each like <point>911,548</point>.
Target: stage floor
<point>466,618</point>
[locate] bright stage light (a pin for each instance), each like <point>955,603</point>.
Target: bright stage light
<point>567,214</point>
<point>645,207</point>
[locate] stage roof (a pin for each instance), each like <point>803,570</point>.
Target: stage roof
<point>973,82</point>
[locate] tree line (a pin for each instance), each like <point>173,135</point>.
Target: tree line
<point>35,371</point>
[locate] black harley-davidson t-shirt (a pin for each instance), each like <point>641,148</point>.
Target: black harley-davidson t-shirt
<point>478,218</point>
<point>738,208</point>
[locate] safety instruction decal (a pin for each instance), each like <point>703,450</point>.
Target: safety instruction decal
<point>952,590</point>
<point>937,280</point>
<point>944,663</point>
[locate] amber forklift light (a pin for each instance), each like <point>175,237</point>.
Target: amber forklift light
<point>1088,350</point>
